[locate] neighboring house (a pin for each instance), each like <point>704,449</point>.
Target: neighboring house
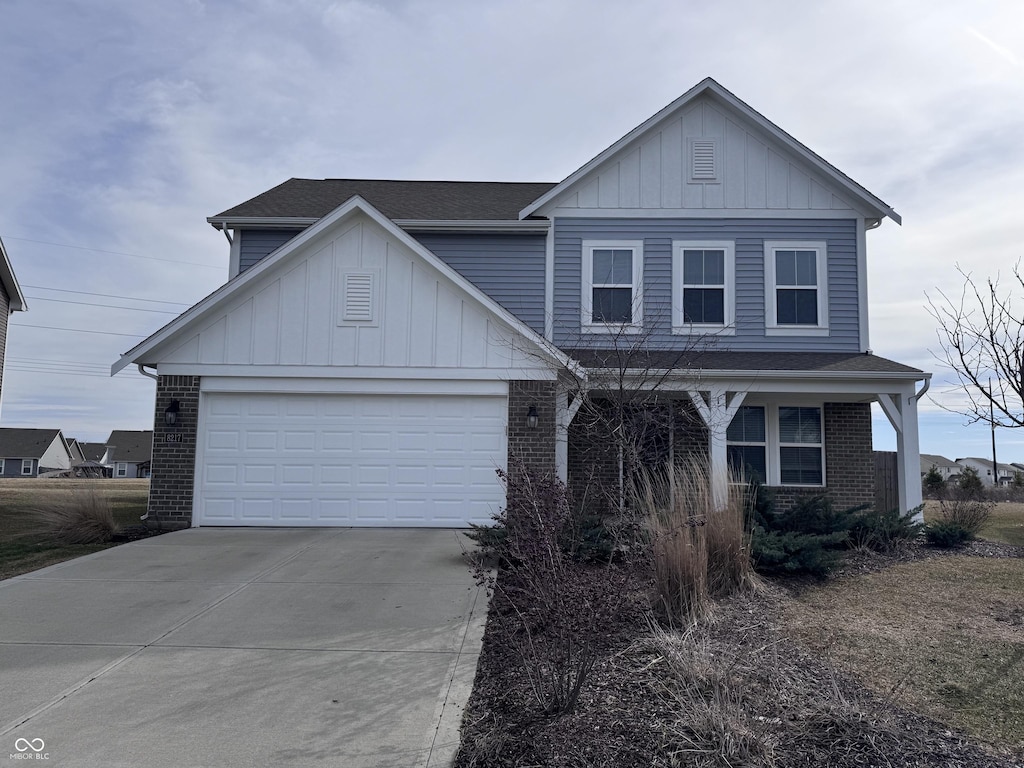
<point>31,452</point>
<point>382,346</point>
<point>945,467</point>
<point>128,453</point>
<point>75,449</point>
<point>11,301</point>
<point>984,469</point>
<point>92,451</point>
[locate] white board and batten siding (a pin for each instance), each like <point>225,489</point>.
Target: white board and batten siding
<point>706,159</point>
<point>295,316</point>
<point>353,382</point>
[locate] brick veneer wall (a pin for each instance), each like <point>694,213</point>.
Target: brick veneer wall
<point>174,464</point>
<point>533,449</point>
<point>849,459</point>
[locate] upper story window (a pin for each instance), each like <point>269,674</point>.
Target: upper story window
<point>703,287</point>
<point>796,289</point>
<point>612,279</point>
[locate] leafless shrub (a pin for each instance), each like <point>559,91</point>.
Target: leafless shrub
<point>563,608</point>
<point>76,517</point>
<point>699,552</point>
<point>966,510</point>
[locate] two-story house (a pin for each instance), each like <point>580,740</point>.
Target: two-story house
<point>382,346</point>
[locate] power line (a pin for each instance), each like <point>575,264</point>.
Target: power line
<point>80,374</point>
<point>77,330</point>
<point>104,295</point>
<point>105,306</point>
<point>113,253</point>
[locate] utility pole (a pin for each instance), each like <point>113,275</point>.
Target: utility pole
<point>992,423</point>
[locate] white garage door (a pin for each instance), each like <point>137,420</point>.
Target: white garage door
<point>349,460</point>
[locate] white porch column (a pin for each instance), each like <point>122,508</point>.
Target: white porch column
<point>564,414</point>
<point>901,410</point>
<point>717,412</point>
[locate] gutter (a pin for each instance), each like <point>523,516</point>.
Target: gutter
<point>411,225</point>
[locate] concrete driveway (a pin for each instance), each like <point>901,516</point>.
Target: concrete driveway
<point>243,647</point>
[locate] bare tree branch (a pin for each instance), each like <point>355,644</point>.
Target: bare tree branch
<point>981,336</point>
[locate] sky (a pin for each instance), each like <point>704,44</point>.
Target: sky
<point>126,123</point>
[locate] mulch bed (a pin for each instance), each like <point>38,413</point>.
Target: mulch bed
<point>791,709</point>
<point>135,532</point>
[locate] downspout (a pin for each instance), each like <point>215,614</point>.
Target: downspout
<point>925,388</point>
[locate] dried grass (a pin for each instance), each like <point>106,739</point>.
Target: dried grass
<point>75,517</point>
<point>699,551</point>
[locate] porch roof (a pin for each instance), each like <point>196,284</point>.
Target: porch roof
<point>747,362</point>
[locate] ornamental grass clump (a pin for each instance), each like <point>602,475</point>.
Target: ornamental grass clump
<point>76,517</point>
<point>700,550</point>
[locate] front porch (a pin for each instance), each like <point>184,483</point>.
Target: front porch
<point>797,431</point>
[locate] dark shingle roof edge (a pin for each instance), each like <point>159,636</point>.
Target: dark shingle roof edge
<point>752,362</point>
<point>398,200</point>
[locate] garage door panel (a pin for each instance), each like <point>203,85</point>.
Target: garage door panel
<point>373,460</point>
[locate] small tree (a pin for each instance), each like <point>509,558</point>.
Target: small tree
<point>933,482</point>
<point>982,340</point>
<point>970,481</point>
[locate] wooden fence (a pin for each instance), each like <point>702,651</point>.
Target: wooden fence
<point>887,495</point>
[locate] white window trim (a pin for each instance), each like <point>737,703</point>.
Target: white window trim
<point>3,465</point>
<point>773,443</point>
<point>121,470</point>
<point>30,466</point>
<point>771,317</point>
<point>679,326</point>
<point>587,325</point>
<point>754,444</point>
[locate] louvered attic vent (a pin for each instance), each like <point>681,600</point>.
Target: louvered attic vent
<point>358,297</point>
<point>702,160</point>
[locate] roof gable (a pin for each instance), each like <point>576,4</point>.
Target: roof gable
<point>10,282</point>
<point>709,150</point>
<point>18,443</point>
<point>290,309</point>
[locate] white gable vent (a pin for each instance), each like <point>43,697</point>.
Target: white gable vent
<point>703,160</point>
<point>358,297</point>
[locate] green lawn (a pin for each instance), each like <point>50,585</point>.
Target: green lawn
<point>24,549</point>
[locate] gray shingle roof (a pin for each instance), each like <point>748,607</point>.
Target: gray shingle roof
<point>18,443</point>
<point>417,200</point>
<point>823,362</point>
<point>92,451</point>
<point>131,445</point>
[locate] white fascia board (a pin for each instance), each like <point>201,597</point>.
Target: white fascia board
<point>703,213</point>
<point>414,225</point>
<point>351,207</point>
<point>261,222</point>
<point>709,86</point>
<point>379,373</point>
<point>817,382</point>
<point>539,226</point>
<point>10,282</point>
<point>350,386</point>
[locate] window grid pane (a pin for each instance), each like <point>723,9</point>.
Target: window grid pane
<point>796,306</point>
<point>612,305</point>
<point>800,425</point>
<point>748,463</point>
<point>613,266</point>
<point>800,466</point>
<point>704,305</point>
<point>747,425</point>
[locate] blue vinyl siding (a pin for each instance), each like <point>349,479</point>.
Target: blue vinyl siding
<point>840,235</point>
<point>508,268</point>
<point>257,244</point>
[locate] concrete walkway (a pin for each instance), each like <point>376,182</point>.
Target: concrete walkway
<point>243,647</point>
